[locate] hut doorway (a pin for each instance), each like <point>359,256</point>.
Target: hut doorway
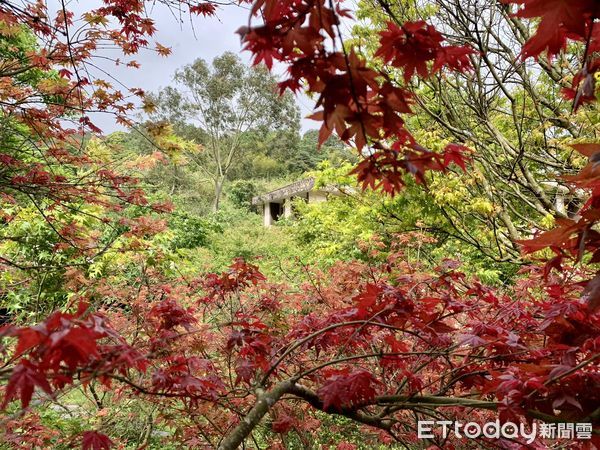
<point>276,211</point>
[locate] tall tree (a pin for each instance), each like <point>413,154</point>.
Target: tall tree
<point>217,104</point>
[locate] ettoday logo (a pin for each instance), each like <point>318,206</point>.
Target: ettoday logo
<point>508,430</point>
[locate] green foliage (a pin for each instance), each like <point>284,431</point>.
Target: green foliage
<point>241,192</point>
<point>15,43</point>
<point>352,225</point>
<point>307,155</point>
<point>242,234</point>
<point>190,231</point>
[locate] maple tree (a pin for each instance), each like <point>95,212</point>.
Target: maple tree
<point>510,111</point>
<point>380,345</point>
<point>50,87</point>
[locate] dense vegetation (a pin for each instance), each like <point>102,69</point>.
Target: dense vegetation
<point>454,277</point>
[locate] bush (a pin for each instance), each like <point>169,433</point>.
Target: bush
<point>190,231</point>
<point>241,192</point>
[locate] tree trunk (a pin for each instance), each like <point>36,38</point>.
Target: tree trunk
<point>218,191</point>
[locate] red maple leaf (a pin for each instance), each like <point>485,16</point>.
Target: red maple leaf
<point>369,297</point>
<point>25,377</point>
<point>204,8</point>
<point>560,19</point>
<point>92,440</point>
<point>347,387</point>
<point>170,314</point>
<point>592,293</point>
<point>457,154</point>
<point>416,44</point>
<point>283,424</point>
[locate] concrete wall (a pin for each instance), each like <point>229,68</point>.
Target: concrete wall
<point>317,196</point>
<point>313,197</point>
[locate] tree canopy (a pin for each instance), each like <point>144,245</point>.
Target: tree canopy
<point>217,106</point>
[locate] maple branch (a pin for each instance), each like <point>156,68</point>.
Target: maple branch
<point>265,401</point>
<point>573,369</point>
<point>33,18</point>
<point>435,401</point>
<point>324,330</point>
<point>313,399</point>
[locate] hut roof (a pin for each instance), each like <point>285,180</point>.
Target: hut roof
<point>298,187</point>
<point>295,188</point>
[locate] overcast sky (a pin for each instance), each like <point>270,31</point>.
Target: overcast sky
<point>206,38</point>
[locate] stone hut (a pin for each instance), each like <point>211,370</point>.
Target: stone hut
<point>278,203</point>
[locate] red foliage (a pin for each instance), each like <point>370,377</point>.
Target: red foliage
<point>24,378</point>
<point>561,21</point>
<point>346,388</point>
<point>28,431</point>
<point>357,102</point>
<point>415,45</point>
<point>92,440</point>
<point>204,8</point>
<point>283,424</point>
<point>437,335</point>
<point>170,314</point>
<point>574,238</point>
